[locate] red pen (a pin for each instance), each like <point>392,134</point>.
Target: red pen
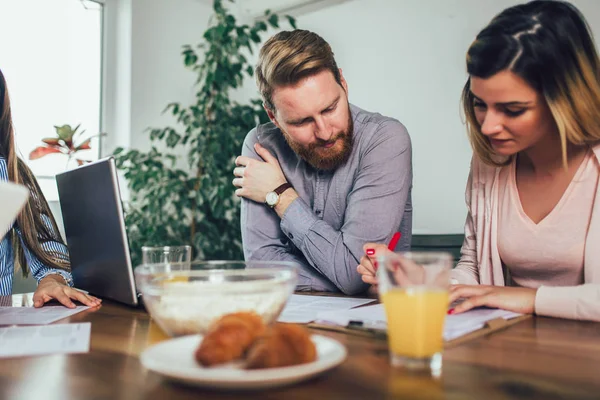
<point>391,246</point>
<point>394,241</point>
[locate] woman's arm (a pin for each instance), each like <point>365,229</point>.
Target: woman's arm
<point>52,247</point>
<point>38,269</point>
<point>54,283</point>
<point>467,269</point>
<point>573,302</point>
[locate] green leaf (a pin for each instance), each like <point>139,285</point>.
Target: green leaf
<point>254,36</point>
<point>174,108</point>
<point>261,26</point>
<point>65,132</point>
<point>292,21</point>
<point>218,6</point>
<point>173,139</point>
<point>189,58</point>
<point>274,20</point>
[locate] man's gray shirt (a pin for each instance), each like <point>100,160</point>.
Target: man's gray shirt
<point>367,199</point>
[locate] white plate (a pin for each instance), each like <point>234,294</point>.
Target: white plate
<point>174,360</point>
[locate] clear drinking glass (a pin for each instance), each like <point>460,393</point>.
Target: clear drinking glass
<point>413,288</point>
<point>166,254</point>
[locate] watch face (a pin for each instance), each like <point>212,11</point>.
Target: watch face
<point>272,198</point>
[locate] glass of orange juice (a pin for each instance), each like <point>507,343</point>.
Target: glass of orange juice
<point>413,288</point>
<point>179,257</point>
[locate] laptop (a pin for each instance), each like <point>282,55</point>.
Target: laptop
<point>92,213</point>
<point>13,199</point>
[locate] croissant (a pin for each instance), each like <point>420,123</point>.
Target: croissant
<point>282,345</point>
<point>229,338</point>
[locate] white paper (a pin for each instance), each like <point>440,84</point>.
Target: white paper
<point>36,316</point>
<point>49,339</point>
<point>304,309</point>
<point>460,324</point>
<point>371,316</point>
<point>456,325</point>
<point>13,197</point>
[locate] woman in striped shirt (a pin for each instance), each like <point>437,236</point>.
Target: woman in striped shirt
<point>33,240</point>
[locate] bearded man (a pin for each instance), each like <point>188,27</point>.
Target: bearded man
<point>324,177</point>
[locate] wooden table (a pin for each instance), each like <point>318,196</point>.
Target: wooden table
<point>539,358</point>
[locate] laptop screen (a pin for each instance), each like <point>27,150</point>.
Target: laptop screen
<point>92,213</point>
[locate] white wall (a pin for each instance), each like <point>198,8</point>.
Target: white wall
<point>402,58</point>
<point>161,28</point>
<point>144,68</point>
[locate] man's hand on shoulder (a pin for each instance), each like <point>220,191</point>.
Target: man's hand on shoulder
<point>255,178</point>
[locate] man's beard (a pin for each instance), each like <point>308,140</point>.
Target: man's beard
<point>323,158</point>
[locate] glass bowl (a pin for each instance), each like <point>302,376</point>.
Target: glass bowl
<point>186,298</point>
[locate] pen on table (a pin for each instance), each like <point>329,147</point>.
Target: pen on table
<point>370,327</point>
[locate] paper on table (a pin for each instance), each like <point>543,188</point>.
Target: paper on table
<point>304,309</point>
<point>460,324</point>
<point>456,325</point>
<point>52,339</point>
<point>36,316</point>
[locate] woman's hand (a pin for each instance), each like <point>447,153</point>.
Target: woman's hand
<point>368,263</point>
<point>517,299</point>
<point>54,287</point>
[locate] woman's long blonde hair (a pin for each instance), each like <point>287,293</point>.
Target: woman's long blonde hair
<point>35,222</point>
<point>547,43</point>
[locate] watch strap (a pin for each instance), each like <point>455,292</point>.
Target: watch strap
<point>282,188</point>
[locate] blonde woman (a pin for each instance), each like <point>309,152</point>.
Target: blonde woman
<point>532,104</point>
<point>34,239</point>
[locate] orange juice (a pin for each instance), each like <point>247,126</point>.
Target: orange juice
<point>415,318</point>
<point>174,279</point>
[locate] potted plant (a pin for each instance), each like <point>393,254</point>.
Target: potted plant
<point>68,141</point>
<point>196,204</point>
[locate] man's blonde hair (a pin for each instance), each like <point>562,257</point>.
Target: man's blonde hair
<point>289,57</point>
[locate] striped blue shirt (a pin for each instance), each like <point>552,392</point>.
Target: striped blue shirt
<point>36,267</point>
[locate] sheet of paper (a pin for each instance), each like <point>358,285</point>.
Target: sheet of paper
<point>47,339</point>
<point>302,309</point>
<point>460,324</point>
<point>456,325</point>
<point>36,316</point>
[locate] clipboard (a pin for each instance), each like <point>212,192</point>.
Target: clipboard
<point>491,326</point>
